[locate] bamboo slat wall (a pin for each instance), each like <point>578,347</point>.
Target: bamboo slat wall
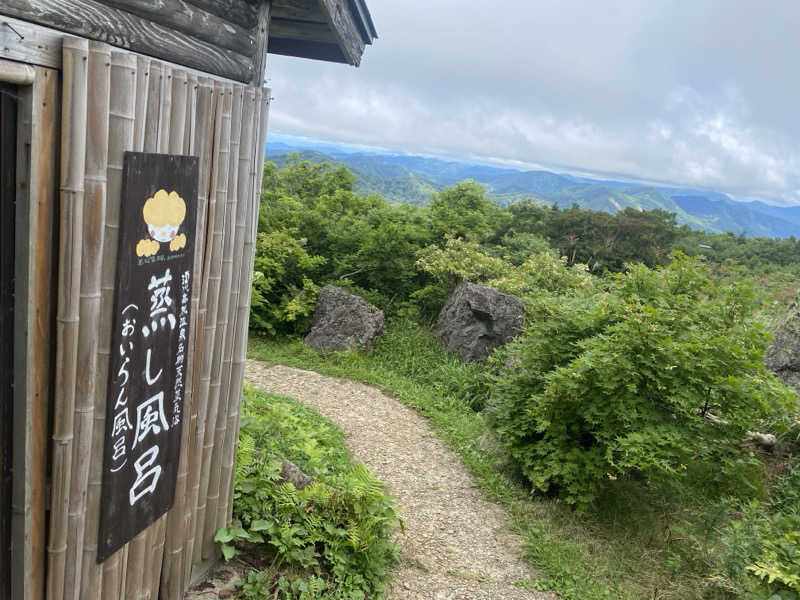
<point>115,101</point>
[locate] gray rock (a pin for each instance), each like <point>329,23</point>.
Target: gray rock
<point>477,319</point>
<point>291,473</point>
<point>343,321</point>
<point>783,354</point>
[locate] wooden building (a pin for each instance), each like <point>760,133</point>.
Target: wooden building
<point>101,103</point>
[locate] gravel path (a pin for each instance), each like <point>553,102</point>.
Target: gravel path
<point>457,545</point>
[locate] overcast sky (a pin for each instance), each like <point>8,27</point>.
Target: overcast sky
<point>693,92</point>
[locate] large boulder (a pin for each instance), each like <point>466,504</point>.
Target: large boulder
<point>783,354</point>
<point>476,319</point>
<point>343,321</point>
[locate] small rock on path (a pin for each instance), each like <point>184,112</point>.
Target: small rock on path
<point>457,546</point>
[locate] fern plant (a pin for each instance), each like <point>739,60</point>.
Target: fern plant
<point>330,540</point>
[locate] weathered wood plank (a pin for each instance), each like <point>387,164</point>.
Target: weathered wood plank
<point>243,14</point>
<point>8,162</point>
<point>23,41</point>
<point>263,33</point>
<point>94,20</point>
<point>300,10</point>
<point>314,50</point>
<point>344,27</point>
<point>189,19</point>
<point>302,30</point>
<point>37,169</point>
<point>17,73</point>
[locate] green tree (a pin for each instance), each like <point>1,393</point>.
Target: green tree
<point>464,211</point>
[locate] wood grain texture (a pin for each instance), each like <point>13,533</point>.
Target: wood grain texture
<point>187,18</point>
<point>94,20</point>
<point>302,30</point>
<point>37,191</point>
<point>23,41</point>
<point>8,181</point>
<point>14,72</point>
<point>262,44</point>
<point>299,10</point>
<point>304,49</point>
<point>244,14</point>
<point>344,27</point>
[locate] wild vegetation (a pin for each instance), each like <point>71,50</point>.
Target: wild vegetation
<point>331,540</point>
<point>618,417</point>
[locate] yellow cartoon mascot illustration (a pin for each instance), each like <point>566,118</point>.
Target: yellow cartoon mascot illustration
<point>163,213</point>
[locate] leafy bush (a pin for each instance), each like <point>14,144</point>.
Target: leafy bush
<point>283,292</point>
<point>332,539</point>
<point>462,260</point>
<point>779,563</point>
<point>619,384</point>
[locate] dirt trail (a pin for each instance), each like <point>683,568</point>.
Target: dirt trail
<point>457,545</point>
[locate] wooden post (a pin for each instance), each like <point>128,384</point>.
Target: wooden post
<point>35,273</point>
<point>73,160</point>
<point>91,263</point>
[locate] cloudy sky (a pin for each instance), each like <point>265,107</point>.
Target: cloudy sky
<point>696,92</point>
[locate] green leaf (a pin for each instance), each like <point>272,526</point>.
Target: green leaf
<point>228,551</point>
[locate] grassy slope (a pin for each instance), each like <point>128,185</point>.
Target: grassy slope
<point>622,553</point>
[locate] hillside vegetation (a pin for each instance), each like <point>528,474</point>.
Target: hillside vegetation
<point>622,409</point>
<point>415,179</point>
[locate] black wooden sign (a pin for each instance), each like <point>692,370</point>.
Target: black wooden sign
<point>149,344</point>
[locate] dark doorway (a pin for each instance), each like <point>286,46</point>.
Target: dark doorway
<point>8,158</point>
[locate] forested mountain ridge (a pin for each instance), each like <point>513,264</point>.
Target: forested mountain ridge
<point>413,179</point>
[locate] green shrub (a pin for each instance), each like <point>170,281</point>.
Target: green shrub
<point>283,293</point>
<point>619,384</point>
<point>332,539</point>
<point>779,563</point>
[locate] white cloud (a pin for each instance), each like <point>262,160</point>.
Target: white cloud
<point>702,93</point>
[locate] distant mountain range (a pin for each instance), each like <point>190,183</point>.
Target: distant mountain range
<point>413,179</point>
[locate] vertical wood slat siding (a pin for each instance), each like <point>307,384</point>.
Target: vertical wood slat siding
<point>154,107</point>
<point>205,331</point>
<point>37,196</point>
<point>172,143</point>
<point>212,493</point>
<point>90,299</point>
<point>242,318</point>
<point>204,141</point>
<point>121,136</point>
<point>172,581</point>
<point>244,185</point>
<point>219,183</point>
<point>73,135</point>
